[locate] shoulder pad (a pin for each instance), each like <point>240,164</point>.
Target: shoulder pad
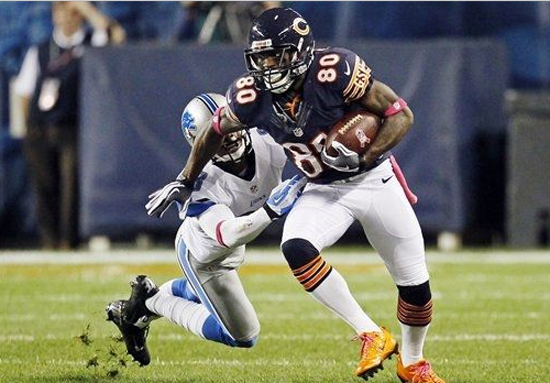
<point>344,72</point>
<point>243,100</point>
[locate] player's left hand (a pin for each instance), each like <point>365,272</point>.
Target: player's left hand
<point>345,161</point>
<point>284,196</point>
<point>160,200</point>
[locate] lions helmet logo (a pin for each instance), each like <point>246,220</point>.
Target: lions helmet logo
<point>188,126</point>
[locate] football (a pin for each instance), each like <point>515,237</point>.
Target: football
<point>356,131</point>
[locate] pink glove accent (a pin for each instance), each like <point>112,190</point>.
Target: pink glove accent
<point>401,178</point>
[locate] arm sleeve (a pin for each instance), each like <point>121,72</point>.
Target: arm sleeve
<point>219,223</point>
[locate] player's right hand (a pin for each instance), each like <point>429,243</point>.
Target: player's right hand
<point>345,161</point>
<point>284,196</point>
<point>160,200</point>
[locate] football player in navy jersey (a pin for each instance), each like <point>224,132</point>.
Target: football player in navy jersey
<point>296,93</point>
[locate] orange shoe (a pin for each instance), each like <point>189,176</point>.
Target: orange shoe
<point>419,372</point>
<point>375,349</point>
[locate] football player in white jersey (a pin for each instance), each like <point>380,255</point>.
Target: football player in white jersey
<point>238,194</point>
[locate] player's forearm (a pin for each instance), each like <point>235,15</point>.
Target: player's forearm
<point>205,147</point>
<point>391,133</point>
<point>241,230</point>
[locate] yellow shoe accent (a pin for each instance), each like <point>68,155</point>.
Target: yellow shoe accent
<point>375,348</point>
<point>419,372</point>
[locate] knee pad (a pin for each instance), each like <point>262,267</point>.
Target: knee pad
<point>414,306</point>
<point>416,295</point>
<point>298,252</point>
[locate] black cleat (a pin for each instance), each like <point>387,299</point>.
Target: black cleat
<point>133,318</point>
<point>134,337</point>
<point>135,311</point>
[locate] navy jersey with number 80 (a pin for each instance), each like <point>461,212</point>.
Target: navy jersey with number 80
<point>301,121</point>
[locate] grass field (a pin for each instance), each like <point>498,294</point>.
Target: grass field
<point>491,324</point>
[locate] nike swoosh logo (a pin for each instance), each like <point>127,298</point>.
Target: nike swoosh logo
<point>384,180</point>
<point>347,72</point>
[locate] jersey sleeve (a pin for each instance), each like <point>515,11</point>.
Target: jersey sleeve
<point>244,101</point>
<point>345,73</point>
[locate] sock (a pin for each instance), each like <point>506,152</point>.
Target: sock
<point>192,316</point>
<point>412,343</point>
<point>329,288</point>
<point>181,288</point>
<point>166,287</point>
<point>414,321</point>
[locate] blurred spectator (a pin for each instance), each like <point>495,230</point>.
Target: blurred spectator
<point>48,89</point>
<point>225,21</point>
<point>22,24</point>
<point>145,20</point>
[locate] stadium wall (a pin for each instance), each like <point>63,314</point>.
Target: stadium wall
<point>131,141</point>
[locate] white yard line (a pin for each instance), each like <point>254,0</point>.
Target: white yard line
<point>269,362</point>
<point>264,256</point>
<point>317,316</point>
<point>300,296</point>
<point>177,337</point>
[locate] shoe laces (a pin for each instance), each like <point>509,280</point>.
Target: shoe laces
<point>367,340</point>
<point>423,370</point>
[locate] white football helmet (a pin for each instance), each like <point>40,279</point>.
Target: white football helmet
<point>196,117</point>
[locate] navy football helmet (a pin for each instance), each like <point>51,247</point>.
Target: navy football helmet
<point>280,48</point>
<point>196,117</point>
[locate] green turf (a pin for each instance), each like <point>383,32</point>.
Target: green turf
<point>491,324</point>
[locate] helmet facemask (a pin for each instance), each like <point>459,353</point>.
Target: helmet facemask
<point>196,118</point>
<point>280,48</point>
<point>278,67</point>
<point>234,148</point>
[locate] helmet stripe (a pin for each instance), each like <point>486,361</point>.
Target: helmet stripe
<point>209,102</point>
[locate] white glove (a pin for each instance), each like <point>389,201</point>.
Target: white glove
<point>345,161</point>
<point>284,196</point>
<point>160,200</point>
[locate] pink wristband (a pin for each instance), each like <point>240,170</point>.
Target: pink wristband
<point>396,107</point>
<point>216,121</point>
